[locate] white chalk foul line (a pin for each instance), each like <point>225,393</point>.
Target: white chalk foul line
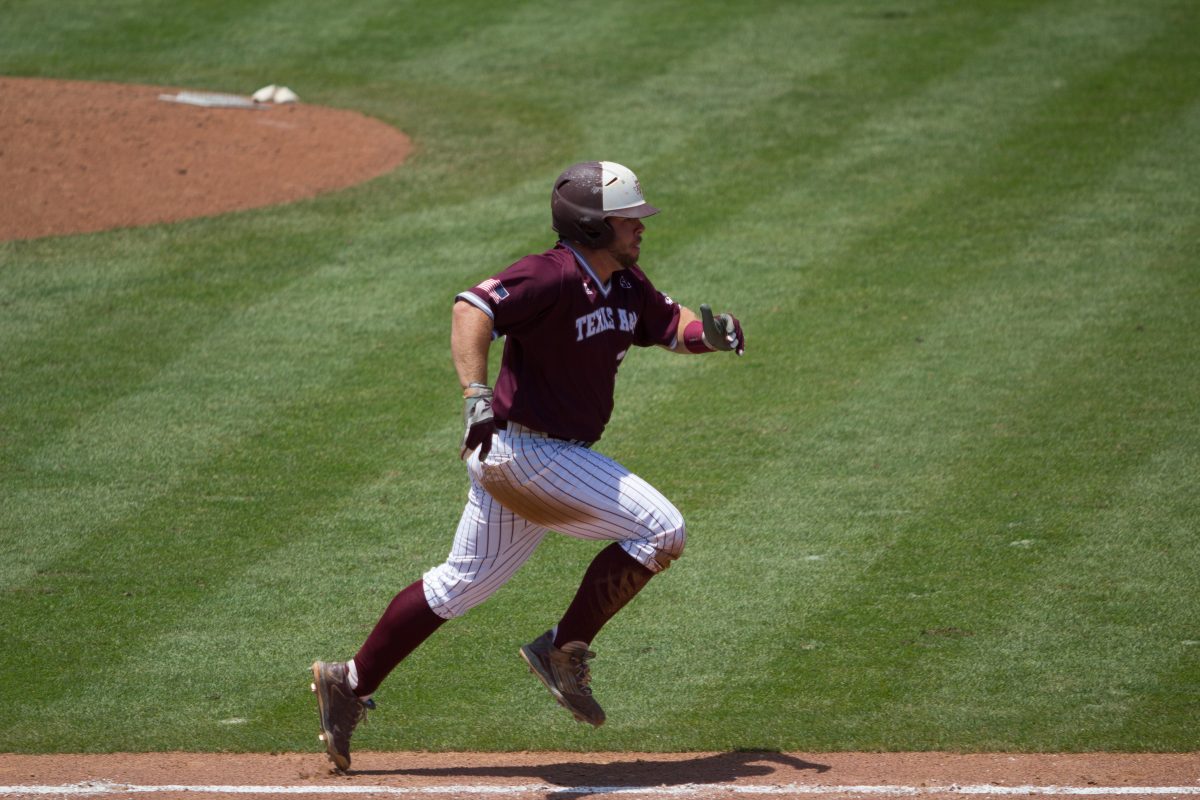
<point>99,788</point>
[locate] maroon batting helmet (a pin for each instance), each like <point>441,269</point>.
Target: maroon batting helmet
<point>586,194</point>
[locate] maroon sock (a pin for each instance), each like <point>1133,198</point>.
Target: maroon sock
<point>611,581</point>
<point>407,622</point>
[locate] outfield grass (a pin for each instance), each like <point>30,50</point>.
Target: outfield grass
<point>948,499</point>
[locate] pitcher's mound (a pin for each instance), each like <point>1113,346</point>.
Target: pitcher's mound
<point>77,157</point>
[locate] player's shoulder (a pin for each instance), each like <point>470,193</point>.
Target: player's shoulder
<point>634,275</point>
<point>636,272</point>
<point>636,285</point>
<point>553,262</point>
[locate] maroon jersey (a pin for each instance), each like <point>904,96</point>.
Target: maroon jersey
<point>566,336</point>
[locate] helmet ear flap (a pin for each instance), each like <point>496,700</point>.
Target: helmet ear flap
<point>598,233</point>
<point>576,206</point>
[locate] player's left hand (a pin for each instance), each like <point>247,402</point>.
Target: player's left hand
<point>723,332</point>
<point>480,424</point>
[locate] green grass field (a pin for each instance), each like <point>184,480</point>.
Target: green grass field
<point>947,500</point>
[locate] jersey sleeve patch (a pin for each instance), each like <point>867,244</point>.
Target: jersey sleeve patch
<point>494,288</point>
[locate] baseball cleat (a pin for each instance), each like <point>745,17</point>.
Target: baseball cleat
<point>565,672</point>
<point>339,709</point>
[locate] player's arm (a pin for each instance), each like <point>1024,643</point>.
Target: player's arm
<point>470,339</point>
<point>706,333</point>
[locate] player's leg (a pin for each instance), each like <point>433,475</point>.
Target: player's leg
<point>585,494</point>
<point>406,623</point>
<point>560,656</point>
<point>611,580</point>
<point>344,689</point>
<point>651,534</point>
<point>588,495</point>
<point>489,545</point>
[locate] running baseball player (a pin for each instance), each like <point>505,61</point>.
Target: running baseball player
<point>569,317</point>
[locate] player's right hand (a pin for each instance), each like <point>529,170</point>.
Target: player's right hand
<point>478,419</point>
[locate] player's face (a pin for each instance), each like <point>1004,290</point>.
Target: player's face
<point>626,245</point>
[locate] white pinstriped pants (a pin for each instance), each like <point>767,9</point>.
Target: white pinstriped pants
<point>530,484</point>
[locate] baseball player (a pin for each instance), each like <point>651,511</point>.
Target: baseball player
<point>569,317</point>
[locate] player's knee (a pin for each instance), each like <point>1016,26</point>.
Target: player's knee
<point>446,609</point>
<point>669,543</point>
<point>443,596</point>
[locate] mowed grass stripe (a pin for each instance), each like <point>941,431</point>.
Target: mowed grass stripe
<point>813,314</point>
<point>787,116</point>
<point>1019,575</point>
<point>149,576</point>
<point>506,103</point>
<point>1165,696</point>
<point>219,387</point>
<point>1101,524</point>
<point>298,341</point>
<point>927,132</point>
<point>915,551</point>
<point>907,281</point>
<point>318,592</point>
<point>87,328</point>
<point>735,83</point>
<point>828,181</point>
<point>807,167</point>
<point>979,584</point>
<point>744,542</point>
<point>798,456</point>
<point>840,189</point>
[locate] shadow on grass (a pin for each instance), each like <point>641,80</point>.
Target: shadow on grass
<point>616,775</point>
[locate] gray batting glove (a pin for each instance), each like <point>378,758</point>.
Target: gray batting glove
<point>723,332</point>
<point>477,416</point>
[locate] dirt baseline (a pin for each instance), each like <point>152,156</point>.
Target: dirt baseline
<point>570,775</point>
<point>79,157</point>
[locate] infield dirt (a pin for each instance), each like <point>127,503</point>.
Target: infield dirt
<point>562,775</point>
<point>80,157</point>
